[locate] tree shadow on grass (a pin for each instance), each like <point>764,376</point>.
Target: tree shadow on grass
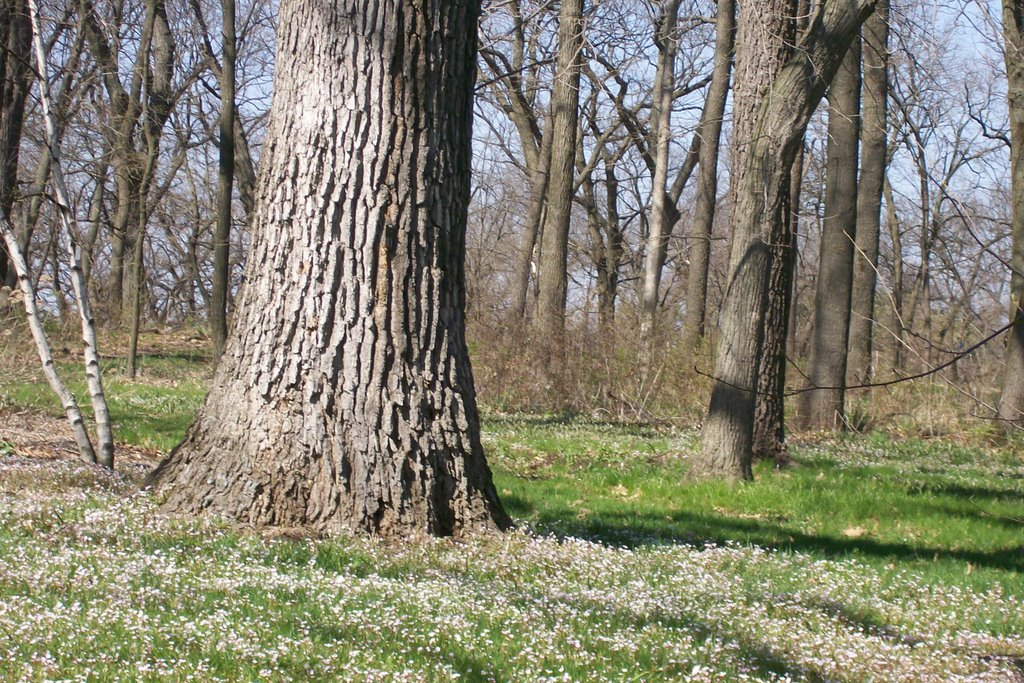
<point>638,528</point>
<point>967,492</point>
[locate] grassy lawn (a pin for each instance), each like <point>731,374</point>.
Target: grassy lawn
<point>872,559</point>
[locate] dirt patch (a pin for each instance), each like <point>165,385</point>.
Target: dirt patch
<point>33,434</point>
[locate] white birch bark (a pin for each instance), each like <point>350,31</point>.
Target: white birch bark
<point>104,432</point>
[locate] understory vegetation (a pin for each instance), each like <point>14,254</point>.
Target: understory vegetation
<point>879,556</point>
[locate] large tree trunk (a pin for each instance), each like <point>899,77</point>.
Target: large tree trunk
<point>823,408</point>
<point>762,202</point>
<point>769,441</point>
<point>874,134</point>
<point>764,42</point>
<point>565,95</point>
<point>1011,402</point>
<point>225,178</point>
<point>709,130</point>
<point>344,399</point>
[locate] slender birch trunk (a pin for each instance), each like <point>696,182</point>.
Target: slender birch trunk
<point>104,432</point>
<point>67,399</point>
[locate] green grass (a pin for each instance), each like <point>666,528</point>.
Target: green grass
<point>950,513</point>
<point>151,412</point>
<point>953,513</point>
<point>878,543</point>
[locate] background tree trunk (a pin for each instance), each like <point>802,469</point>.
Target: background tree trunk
<point>225,178</point>
<point>1011,401</point>
<point>769,440</point>
<point>873,157</point>
<point>663,216</point>
<point>764,41</point>
<point>565,97</point>
<point>15,38</point>
<point>762,200</point>
<point>823,408</point>
<point>345,399</point>
<point>710,132</point>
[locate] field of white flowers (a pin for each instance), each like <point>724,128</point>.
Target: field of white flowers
<point>97,584</point>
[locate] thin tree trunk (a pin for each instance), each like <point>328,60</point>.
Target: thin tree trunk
<point>525,262</point>
<point>662,215</point>
<point>344,399</point>
<point>1011,401</point>
<point>95,217</point>
<point>874,135</point>
<point>15,37</point>
<point>762,201</point>
<point>225,178</point>
<point>710,131</point>
<point>67,399</point>
<point>552,284</point>
<point>156,111</point>
<point>104,432</point>
<point>824,408</point>
<point>769,441</point>
<point>898,326</point>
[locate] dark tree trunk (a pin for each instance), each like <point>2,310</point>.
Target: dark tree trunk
<point>762,201</point>
<point>1011,402</point>
<point>764,42</point>
<point>874,133</point>
<point>769,441</point>
<point>225,179</point>
<point>709,131</point>
<point>553,280</point>
<point>770,404</point>
<point>823,408</point>
<point>15,58</point>
<point>344,399</point>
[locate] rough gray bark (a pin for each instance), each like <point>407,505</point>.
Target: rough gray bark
<point>104,431</point>
<point>873,157</point>
<point>762,201</point>
<point>225,180</point>
<point>344,399</point>
<point>565,95</point>
<point>824,408</point>
<point>766,37</point>
<point>1011,401</point>
<point>709,131</point>
<point>769,440</point>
